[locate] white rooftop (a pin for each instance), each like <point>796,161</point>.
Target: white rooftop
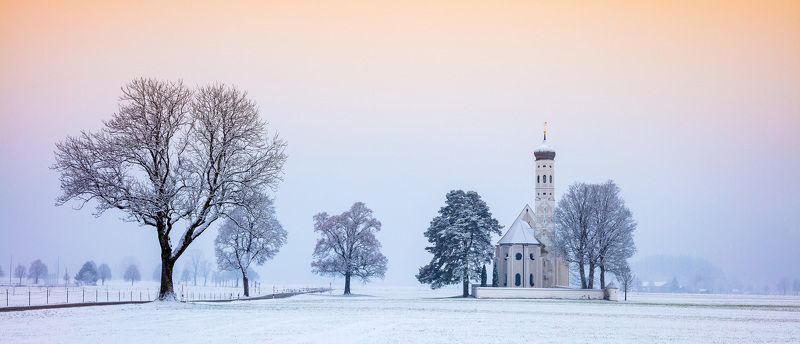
<point>520,232</point>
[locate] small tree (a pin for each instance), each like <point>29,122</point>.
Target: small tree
<point>132,274</point>
<point>796,286</point>
<point>19,272</point>
<point>37,270</point>
<point>461,241</point>
<point>2,273</point>
<point>104,272</point>
<point>205,270</point>
<point>252,234</point>
<point>66,277</point>
<point>348,246</point>
<point>87,274</point>
<point>495,279</point>
<point>625,277</point>
<point>186,274</point>
<point>483,276</point>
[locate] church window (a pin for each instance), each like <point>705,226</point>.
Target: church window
<point>517,280</point>
<point>531,280</point>
<point>551,178</point>
<point>531,256</point>
<point>518,256</point>
<point>537,179</point>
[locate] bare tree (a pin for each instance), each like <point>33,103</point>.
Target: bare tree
<point>796,286</point>
<point>251,234</point>
<point>19,272</point>
<point>104,272</point>
<point>783,285</point>
<point>132,274</point>
<point>186,274</point>
<point>195,260</point>
<point>612,229</point>
<point>348,246</point>
<point>205,270</point>
<point>66,277</point>
<point>573,229</point>
<point>171,157</point>
<point>624,275</point>
<point>37,270</point>
<point>2,273</point>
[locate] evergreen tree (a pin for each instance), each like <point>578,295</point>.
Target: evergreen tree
<point>461,241</point>
<point>483,276</point>
<point>495,279</point>
<point>87,274</point>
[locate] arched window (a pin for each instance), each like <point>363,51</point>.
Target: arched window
<point>517,280</point>
<point>537,179</point>
<point>518,256</point>
<point>532,256</point>
<point>505,280</point>
<point>531,281</point>
<point>551,178</point>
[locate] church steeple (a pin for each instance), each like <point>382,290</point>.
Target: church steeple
<point>544,151</point>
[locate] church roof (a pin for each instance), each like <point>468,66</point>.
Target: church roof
<point>521,231</point>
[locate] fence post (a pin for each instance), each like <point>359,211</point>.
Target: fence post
<point>131,295</point>
<point>6,297</point>
<point>106,294</point>
<point>67,294</point>
<point>95,296</point>
<point>47,296</point>
<point>29,297</point>
<point>140,296</point>
<point>83,295</point>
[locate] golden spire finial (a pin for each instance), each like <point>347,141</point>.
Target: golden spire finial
<point>545,131</point>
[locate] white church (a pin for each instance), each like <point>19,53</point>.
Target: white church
<point>524,256</point>
<point>527,263</point>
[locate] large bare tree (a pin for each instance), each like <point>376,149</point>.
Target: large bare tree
<point>573,232</point>
<point>594,229</point>
<point>251,234</point>
<point>612,228</point>
<point>172,159</point>
<point>347,245</point>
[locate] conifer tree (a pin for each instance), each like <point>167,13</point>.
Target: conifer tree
<point>495,279</point>
<point>461,241</point>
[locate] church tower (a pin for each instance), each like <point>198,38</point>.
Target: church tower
<point>544,197</point>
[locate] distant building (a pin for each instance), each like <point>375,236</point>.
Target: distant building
<point>524,255</point>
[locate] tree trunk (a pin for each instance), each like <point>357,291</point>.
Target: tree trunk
<point>582,272</point>
<point>602,273</point>
<point>591,276</point>
<point>166,291</point>
<point>245,284</point>
<point>465,285</point>
<point>347,283</point>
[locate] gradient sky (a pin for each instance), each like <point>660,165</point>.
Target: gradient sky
<point>692,107</point>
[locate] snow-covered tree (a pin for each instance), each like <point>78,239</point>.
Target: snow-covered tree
<point>37,270</point>
<point>172,159</point>
<point>186,274</point>
<point>205,270</point>
<point>87,274</point>
<point>250,235</point>
<point>573,222</point>
<point>104,273</point>
<point>66,277</point>
<point>348,246</point>
<point>132,274</point>
<point>196,259</point>
<point>461,241</point>
<point>625,277</point>
<point>612,228</point>
<point>796,286</point>
<point>19,272</point>
<point>495,279</point>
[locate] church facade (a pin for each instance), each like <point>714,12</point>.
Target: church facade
<point>525,256</point>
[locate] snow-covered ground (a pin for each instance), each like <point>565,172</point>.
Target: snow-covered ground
<point>401,315</point>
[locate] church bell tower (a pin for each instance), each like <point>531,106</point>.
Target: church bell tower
<point>544,196</point>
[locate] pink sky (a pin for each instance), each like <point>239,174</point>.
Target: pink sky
<point>692,107</point>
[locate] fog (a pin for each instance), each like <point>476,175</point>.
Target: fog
<point>692,109</point>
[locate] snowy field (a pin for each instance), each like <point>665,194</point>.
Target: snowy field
<point>401,315</point>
